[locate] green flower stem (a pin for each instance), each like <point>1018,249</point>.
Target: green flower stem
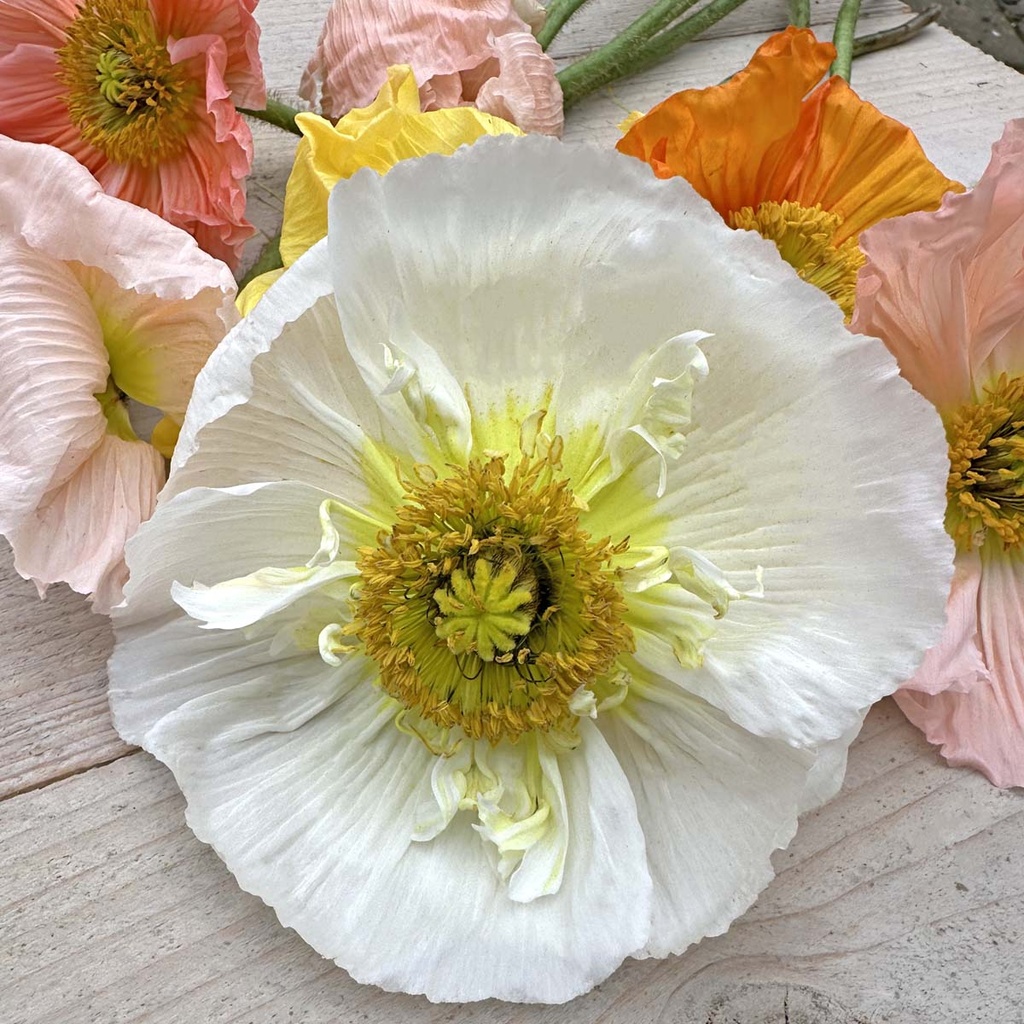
<point>615,59</point>
<point>268,259</point>
<point>558,13</point>
<point>842,38</point>
<point>800,13</point>
<point>638,48</point>
<point>279,114</point>
<point>689,28</point>
<point>893,36</point>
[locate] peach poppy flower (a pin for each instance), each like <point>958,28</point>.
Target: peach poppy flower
<point>143,93</point>
<point>463,52</point>
<point>945,291</point>
<point>809,170</point>
<point>99,301</point>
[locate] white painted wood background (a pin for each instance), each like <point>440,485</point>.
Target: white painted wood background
<point>902,902</point>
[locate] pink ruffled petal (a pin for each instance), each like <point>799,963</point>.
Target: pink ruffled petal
<point>361,38</point>
<point>984,728</point>
<point>34,21</point>
<point>77,535</point>
<point>525,90</point>
<point>945,290</point>
<point>996,273</point>
<point>231,21</point>
<point>52,364</point>
<point>40,114</point>
<point>40,187</point>
<point>956,662</point>
<point>203,190</point>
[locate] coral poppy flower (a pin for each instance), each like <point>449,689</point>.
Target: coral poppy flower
<point>99,301</point>
<point>389,130</point>
<point>477,52</point>
<point>142,92</point>
<point>528,557</point>
<point>945,291</point>
<point>809,172</point>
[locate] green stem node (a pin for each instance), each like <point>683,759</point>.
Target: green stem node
<point>279,114</point>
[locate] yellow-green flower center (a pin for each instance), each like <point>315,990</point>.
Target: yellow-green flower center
<point>986,460</point>
<point>112,402</point>
<point>487,606</point>
<point>488,610</point>
<point>805,237</point>
<point>124,94</point>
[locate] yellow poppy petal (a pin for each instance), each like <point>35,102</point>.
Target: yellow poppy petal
<point>391,129</point>
<point>165,436</point>
<point>253,291</point>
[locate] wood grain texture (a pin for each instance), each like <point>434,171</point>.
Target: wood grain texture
<point>53,681</point>
<point>900,902</point>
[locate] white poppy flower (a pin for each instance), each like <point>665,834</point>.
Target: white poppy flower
<point>521,553</point>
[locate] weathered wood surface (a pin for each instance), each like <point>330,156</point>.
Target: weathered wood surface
<point>902,901</point>
<point>53,703</point>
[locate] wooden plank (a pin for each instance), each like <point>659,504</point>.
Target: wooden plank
<point>901,901</point>
<point>53,682</point>
<point>600,20</point>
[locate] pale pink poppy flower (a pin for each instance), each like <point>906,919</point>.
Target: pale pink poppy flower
<point>99,301</point>
<point>463,52</point>
<point>143,93</point>
<point>945,291</point>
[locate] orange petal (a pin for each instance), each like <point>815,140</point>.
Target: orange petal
<point>848,156</point>
<point>728,140</point>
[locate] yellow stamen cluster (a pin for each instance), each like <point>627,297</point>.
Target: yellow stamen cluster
<point>805,238</point>
<point>123,93</point>
<point>986,467</point>
<point>486,606</point>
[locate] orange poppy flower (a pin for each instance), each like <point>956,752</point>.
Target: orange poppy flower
<point>809,170</point>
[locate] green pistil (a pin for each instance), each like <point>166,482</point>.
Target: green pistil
<point>113,75</point>
<point>484,614</point>
<point>114,409</point>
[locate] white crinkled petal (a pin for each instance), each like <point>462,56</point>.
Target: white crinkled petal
<point>822,480</point>
<point>714,803</point>
<point>655,409</point>
<point>521,277</point>
<point>241,602</point>
<point>246,600</point>
<point>280,399</point>
<point>825,778</point>
<point>318,820</point>
<point>163,659</point>
<point>577,272</point>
